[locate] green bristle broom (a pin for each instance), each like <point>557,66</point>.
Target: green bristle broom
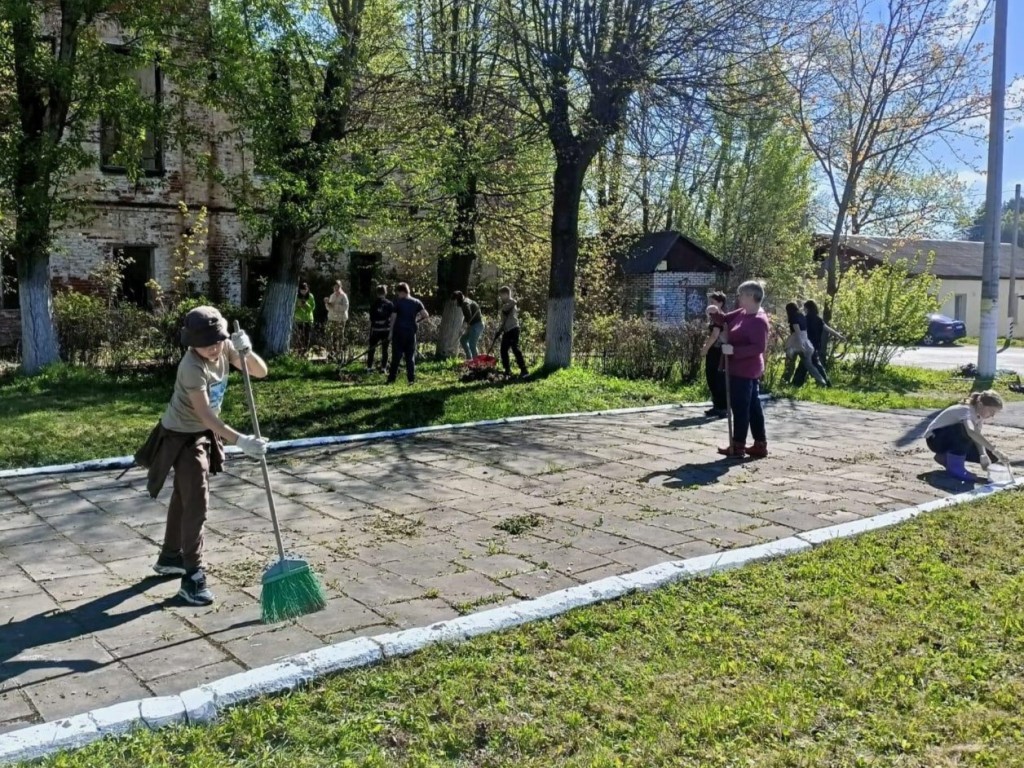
<point>290,588</point>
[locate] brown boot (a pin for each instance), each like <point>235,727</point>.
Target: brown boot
<point>734,451</point>
<point>759,450</point>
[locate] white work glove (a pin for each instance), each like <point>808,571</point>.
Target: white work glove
<point>984,460</point>
<point>727,349</point>
<point>253,446</point>
<point>240,341</point>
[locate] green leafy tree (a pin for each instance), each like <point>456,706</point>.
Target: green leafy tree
<point>474,166</point>
<point>581,62</point>
<point>57,76</point>
<point>875,84</point>
<point>307,88</point>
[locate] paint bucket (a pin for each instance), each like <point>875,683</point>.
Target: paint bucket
<point>999,474</point>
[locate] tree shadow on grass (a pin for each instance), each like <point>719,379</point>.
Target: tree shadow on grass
<point>395,409</point>
<point>690,476</point>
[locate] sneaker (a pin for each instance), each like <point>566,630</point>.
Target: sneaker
<point>170,565</point>
<point>194,590</point>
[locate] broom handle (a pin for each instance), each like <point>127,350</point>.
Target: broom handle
<point>728,389</point>
<point>263,459</point>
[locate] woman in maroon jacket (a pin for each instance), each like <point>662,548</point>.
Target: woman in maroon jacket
<point>746,341</point>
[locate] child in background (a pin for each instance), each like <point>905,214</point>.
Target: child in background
<point>509,333</point>
<point>712,352</point>
<point>954,436</point>
<point>337,317</point>
<point>380,329</point>
<point>304,306</point>
<point>189,439</point>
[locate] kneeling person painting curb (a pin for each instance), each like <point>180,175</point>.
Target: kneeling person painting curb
<point>954,436</point>
<point>190,440</point>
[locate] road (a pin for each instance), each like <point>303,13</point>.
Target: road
<point>947,358</point>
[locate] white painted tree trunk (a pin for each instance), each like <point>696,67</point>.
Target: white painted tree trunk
<point>277,317</point>
<point>558,349</point>
<point>38,336</point>
<point>449,332</point>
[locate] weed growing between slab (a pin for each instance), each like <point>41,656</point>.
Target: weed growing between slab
<point>900,648</point>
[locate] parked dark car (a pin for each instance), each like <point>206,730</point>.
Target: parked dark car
<point>943,330</point>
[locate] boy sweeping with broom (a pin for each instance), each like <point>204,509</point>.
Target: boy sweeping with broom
<point>190,440</point>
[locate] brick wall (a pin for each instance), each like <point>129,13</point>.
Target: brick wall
<point>668,297</point>
<point>10,328</point>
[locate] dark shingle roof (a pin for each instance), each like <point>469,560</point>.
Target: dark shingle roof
<point>643,255</point>
<point>954,259</point>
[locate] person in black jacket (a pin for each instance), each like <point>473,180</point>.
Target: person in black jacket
<point>380,328</point>
<point>713,373</point>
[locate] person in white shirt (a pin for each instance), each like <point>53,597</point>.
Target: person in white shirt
<point>337,317</point>
<point>954,436</point>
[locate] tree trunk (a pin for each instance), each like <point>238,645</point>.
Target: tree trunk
<point>39,346</point>
<point>277,315</point>
<point>38,336</point>
<point>568,187</point>
<point>454,269</point>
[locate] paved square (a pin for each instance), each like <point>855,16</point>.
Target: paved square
<point>413,531</point>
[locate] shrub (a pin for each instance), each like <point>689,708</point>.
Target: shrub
<point>636,348</point>
<point>132,336</point>
<point>82,326</point>
<point>884,310</point>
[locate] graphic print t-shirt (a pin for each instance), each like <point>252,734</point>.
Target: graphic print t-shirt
<point>196,373</point>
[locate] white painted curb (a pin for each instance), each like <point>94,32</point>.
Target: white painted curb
<point>202,705</point>
<point>124,462</point>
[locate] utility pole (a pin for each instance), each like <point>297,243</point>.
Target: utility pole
<point>1011,310</point>
<point>989,327</point>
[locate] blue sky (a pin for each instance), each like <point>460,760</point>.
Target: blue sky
<point>973,170</point>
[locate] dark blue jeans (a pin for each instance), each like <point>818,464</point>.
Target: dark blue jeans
<point>747,414</point>
<point>403,344</point>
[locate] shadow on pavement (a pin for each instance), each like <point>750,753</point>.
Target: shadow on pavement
<point>917,431</point>
<point>937,478</point>
<point>690,475</point>
<point>52,627</point>
<point>691,421</point>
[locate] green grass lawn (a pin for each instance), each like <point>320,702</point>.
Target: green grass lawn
<point>896,388</point>
<point>900,648</point>
<point>73,414</point>
<point>973,341</point>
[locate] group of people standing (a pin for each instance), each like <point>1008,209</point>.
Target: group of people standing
<point>394,325</point>
<point>804,345</point>
<point>734,360</point>
<point>804,348</point>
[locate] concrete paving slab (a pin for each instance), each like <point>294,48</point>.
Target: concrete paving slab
<point>407,533</point>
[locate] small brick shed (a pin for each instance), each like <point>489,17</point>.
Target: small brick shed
<point>667,276</point>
